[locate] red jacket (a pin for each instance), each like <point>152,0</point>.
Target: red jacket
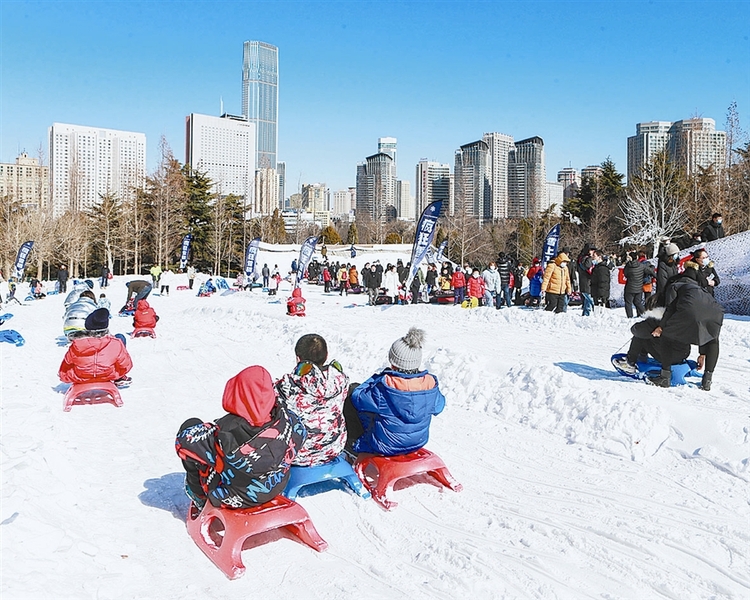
<point>144,316</point>
<point>475,287</point>
<point>95,359</point>
<point>458,279</point>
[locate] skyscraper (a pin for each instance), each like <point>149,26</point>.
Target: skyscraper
<point>527,178</point>
<point>88,162</point>
<point>433,183</point>
<point>281,171</point>
<point>499,146</point>
<point>25,181</point>
<point>570,180</point>
<point>690,143</point>
<point>223,148</point>
<point>388,145</point>
<point>260,98</point>
<point>376,186</point>
<point>473,192</point>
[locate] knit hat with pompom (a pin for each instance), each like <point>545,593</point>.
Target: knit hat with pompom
<point>406,352</point>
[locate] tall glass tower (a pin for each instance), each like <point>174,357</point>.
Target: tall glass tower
<point>260,98</point>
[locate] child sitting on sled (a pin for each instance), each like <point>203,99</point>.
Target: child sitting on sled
<point>295,306</point>
<point>243,459</point>
<point>96,356</point>
<point>390,413</point>
<point>145,316</point>
<point>316,391</point>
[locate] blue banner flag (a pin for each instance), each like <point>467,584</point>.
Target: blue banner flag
<point>250,257</point>
<point>185,250</point>
<point>550,244</point>
<point>21,258</point>
<point>423,238</point>
<point>441,252</point>
<point>305,254</point>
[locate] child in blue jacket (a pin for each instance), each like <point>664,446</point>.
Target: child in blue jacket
<point>390,413</point>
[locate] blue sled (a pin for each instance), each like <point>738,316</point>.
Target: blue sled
<point>12,336</point>
<point>652,368</point>
<point>336,470</point>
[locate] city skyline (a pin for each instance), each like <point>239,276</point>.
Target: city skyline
<point>594,71</point>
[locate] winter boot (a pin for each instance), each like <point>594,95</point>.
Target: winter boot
<point>663,380</point>
<point>706,382</point>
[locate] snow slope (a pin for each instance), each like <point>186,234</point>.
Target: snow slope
<point>578,483</point>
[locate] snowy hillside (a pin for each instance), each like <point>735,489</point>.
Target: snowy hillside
<point>578,483</point>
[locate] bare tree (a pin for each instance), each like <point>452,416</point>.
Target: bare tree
<point>654,204</point>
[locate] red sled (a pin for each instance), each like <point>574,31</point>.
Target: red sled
<point>143,332</point>
<point>380,473</point>
<point>221,533</point>
<point>94,392</point>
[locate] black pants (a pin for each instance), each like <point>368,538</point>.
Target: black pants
<point>634,299</point>
<point>190,283</point>
<point>711,351</point>
<point>63,286</point>
<point>668,352</point>
<point>354,426</point>
<point>555,302</point>
<point>192,468</point>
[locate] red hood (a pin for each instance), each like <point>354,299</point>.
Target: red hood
<point>250,394</point>
<point>297,293</point>
<point>143,305</point>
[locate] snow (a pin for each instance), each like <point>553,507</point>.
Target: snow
<point>578,483</point>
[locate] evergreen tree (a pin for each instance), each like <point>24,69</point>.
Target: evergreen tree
<point>198,214</point>
<point>329,235</point>
<point>352,237</point>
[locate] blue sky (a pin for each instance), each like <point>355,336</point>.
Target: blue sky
<point>435,75</point>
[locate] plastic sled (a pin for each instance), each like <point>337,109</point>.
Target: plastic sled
<point>337,469</point>
<point>181,288</point>
<point>29,299</point>
<point>652,368</point>
<point>95,392</point>
<point>143,332</point>
<point>224,548</point>
<point>470,303</point>
<point>390,469</point>
<point>4,317</point>
<point>12,337</point>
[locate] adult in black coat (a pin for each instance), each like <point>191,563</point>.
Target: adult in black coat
<point>372,279</point>
<point>62,279</point>
<point>701,269</point>
<point>714,230</point>
<point>600,279</point>
<point>585,268</point>
<point>504,268</point>
<point>635,271</point>
<point>104,274</point>
<point>667,268</point>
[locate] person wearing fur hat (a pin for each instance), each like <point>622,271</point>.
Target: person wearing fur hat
<point>243,459</point>
<point>98,356</point>
<point>556,283</point>
<point>390,413</point>
<point>701,269</point>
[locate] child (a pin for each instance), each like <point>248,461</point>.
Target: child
<point>394,408</point>
<point>273,283</point>
<point>97,356</point>
<point>104,302</point>
<point>295,306</point>
<point>74,324</point>
<point>243,459</point>
<point>145,316</point>
<point>475,288</point>
<point>316,391</point>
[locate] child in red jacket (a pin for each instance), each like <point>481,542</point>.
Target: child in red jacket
<point>98,356</point>
<point>145,316</point>
<point>458,283</point>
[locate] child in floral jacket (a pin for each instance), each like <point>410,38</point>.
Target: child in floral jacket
<point>316,391</point>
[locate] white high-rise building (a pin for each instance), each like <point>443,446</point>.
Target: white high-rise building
<point>404,200</point>
<point>342,203</point>
<point>89,162</point>
<point>690,143</point>
<point>527,178</point>
<point>224,149</point>
<point>26,181</point>
<point>433,183</point>
<point>388,145</point>
<point>649,139</point>
<point>554,196</point>
<point>266,198</point>
<point>500,146</point>
<point>472,187</point>
<point>571,181</point>
<point>376,187</point>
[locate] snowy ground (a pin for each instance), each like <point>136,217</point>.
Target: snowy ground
<point>578,483</point>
